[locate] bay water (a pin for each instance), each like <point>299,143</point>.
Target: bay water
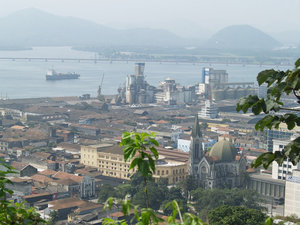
<point>26,79</point>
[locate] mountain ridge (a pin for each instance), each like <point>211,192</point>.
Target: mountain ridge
<point>241,37</point>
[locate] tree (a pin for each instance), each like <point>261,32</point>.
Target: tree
<point>53,217</point>
<point>155,194</point>
<point>206,200</point>
<point>174,193</point>
<point>139,148</point>
<point>10,212</point>
<point>236,215</point>
<point>188,184</point>
<point>123,190</point>
<point>105,192</point>
<point>279,83</point>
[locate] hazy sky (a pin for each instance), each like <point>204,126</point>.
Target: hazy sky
<point>184,17</point>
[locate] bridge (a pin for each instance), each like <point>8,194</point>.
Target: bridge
<point>95,60</point>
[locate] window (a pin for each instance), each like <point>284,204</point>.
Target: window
<point>158,172</point>
<point>167,172</point>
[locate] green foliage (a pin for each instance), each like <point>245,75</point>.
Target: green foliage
<point>145,216</point>
<point>155,194</point>
<point>14,213</point>
<point>105,192</point>
<point>279,83</point>
<point>187,185</point>
<point>236,215</point>
<point>139,148</point>
<point>53,217</point>
<point>136,146</point>
<point>206,200</point>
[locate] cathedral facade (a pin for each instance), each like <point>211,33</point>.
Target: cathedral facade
<point>221,167</point>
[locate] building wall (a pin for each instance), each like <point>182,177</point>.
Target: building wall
<point>89,155</point>
<point>184,145</point>
<point>87,187</point>
<point>292,195</point>
<point>276,134</point>
<point>28,171</point>
<point>267,187</point>
<point>282,171</point>
<point>173,174</point>
<point>113,165</point>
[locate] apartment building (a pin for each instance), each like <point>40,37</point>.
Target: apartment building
<point>281,172</point>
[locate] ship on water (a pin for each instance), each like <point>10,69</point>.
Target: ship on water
<point>53,75</point>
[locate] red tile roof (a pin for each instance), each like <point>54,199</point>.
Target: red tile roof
<point>41,178</point>
<point>48,172</point>
<point>64,176</point>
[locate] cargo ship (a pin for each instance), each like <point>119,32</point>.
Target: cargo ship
<point>53,75</point>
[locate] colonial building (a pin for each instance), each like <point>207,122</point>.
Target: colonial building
<point>109,160</point>
<point>220,167</point>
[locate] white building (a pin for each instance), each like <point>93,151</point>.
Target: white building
<point>292,194</point>
<point>209,111</point>
<point>172,93</point>
<point>285,170</point>
<point>184,145</point>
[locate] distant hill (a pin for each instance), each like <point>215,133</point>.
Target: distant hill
<point>33,27</point>
<point>241,37</point>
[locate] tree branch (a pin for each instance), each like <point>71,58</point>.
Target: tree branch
<point>290,109</point>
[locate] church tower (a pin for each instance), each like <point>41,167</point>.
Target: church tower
<point>196,152</point>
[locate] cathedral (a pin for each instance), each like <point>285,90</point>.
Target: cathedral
<point>221,167</point>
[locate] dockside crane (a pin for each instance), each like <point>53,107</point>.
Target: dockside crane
<point>100,96</point>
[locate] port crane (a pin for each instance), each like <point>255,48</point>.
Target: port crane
<point>100,97</point>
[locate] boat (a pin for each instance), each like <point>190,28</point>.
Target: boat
<point>53,75</point>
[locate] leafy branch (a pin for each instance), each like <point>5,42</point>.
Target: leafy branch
<point>139,148</point>
<point>279,83</point>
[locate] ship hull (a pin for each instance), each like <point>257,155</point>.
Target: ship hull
<point>62,77</point>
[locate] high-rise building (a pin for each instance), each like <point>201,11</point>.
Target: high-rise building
<point>281,172</point>
<point>137,90</point>
<point>171,93</point>
<point>215,78</point>
<point>139,69</point>
<point>292,194</point>
<point>281,133</point>
<point>209,111</point>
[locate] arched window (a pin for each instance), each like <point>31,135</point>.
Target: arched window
<point>204,172</point>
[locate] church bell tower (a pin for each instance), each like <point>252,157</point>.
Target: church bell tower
<point>196,152</point>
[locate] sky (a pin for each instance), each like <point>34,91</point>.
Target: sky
<point>187,18</point>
